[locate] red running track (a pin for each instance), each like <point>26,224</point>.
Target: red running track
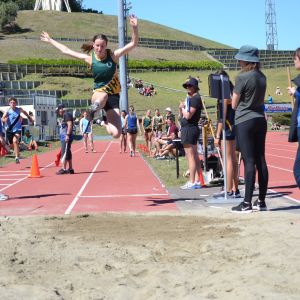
<point>106,181</point>
<point>280,156</point>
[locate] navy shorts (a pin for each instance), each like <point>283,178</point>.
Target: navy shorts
<point>112,102</point>
<point>190,134</point>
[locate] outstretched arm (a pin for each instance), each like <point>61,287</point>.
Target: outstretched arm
<point>45,37</point>
<point>134,39</point>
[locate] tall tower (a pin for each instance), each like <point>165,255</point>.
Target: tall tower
<point>271,26</point>
<point>51,5</point>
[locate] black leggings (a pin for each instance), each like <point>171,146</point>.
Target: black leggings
<point>251,137</point>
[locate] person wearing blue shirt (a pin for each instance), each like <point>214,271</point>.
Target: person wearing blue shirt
<point>86,130</point>
<point>132,124</point>
<point>13,121</point>
<point>294,133</point>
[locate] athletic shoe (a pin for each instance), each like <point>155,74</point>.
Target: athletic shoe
<point>190,186</point>
<point>93,109</point>
<point>243,207</point>
<point>222,195</point>
<point>71,171</point>
<point>160,158</point>
<point>62,172</point>
<point>3,197</point>
<point>17,159</point>
<point>198,185</point>
<point>259,205</point>
<point>236,194</point>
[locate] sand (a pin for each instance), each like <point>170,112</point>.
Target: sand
<point>212,254</point>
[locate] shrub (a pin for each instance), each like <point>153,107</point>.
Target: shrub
<point>282,119</point>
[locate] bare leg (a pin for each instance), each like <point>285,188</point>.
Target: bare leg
<point>91,141</point>
<point>113,125</point>
<point>99,98</point>
<point>16,145</point>
<point>85,142</point>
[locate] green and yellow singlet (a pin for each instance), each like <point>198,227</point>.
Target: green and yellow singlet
<point>105,74</point>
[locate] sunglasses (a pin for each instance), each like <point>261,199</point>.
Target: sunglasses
<point>189,85</point>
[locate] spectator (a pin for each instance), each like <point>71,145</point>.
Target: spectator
<point>132,124</point>
<point>167,141</point>
<point>294,133</point>
<point>270,99</point>
<point>13,120</point>
<point>278,91</point>
<point>86,129</point>
<point>231,166</point>
<point>123,137</point>
<point>66,139</point>
<point>157,123</point>
<point>147,129</point>
<point>251,126</point>
<point>190,112</point>
<point>28,143</point>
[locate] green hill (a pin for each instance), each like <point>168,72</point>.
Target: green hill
<point>85,26</point>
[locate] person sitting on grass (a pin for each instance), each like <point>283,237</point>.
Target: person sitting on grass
<point>28,143</point>
<point>165,144</point>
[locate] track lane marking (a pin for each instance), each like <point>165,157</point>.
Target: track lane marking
<point>73,203</point>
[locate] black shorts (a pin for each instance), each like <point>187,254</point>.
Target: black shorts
<point>10,136</point>
<point>190,135</point>
<point>132,130</point>
<point>112,102</point>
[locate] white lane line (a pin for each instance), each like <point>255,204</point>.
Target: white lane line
<point>291,158</point>
<point>287,170</point>
<point>26,175</point>
<point>288,197</point>
<point>12,175</point>
<point>1,179</point>
<point>71,206</point>
<point>120,196</point>
<point>283,149</point>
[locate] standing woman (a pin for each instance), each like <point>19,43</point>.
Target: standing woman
<point>123,136</point>
<point>232,165</point>
<point>147,128</point>
<point>251,126</point>
<point>190,113</point>
<point>103,63</point>
<point>132,124</point>
<point>294,134</point>
<point>86,130</point>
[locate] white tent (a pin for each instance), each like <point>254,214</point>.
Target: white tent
<point>51,5</point>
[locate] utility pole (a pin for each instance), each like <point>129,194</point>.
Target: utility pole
<point>122,61</point>
<point>271,26</point>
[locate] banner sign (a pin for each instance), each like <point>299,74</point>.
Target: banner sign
<point>278,108</point>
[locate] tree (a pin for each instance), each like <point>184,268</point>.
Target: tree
<point>76,5</point>
<point>8,12</point>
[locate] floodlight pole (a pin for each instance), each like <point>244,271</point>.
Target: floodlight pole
<point>122,61</point>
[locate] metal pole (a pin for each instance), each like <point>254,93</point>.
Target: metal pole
<point>224,138</point>
<point>122,60</point>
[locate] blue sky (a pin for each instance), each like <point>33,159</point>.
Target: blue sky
<point>231,22</point>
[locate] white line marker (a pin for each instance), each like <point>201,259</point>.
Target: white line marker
<point>120,196</point>
<point>71,206</point>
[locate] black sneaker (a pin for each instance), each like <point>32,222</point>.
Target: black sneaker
<point>62,172</point>
<point>71,171</point>
<point>259,205</point>
<point>17,160</point>
<point>236,194</point>
<point>243,207</point>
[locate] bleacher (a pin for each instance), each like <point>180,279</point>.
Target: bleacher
<point>269,58</point>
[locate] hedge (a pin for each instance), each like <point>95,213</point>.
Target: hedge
<point>132,64</point>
